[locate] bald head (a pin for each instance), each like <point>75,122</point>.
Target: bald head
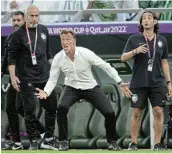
<point>31,8</point>
<point>32,16</point>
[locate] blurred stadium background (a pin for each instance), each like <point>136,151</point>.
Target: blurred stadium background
<point>103,27</point>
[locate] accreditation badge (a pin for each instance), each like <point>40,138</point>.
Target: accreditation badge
<point>33,56</point>
<point>150,65</point>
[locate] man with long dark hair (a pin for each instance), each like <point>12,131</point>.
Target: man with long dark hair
<point>151,77</point>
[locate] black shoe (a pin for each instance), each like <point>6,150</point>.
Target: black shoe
<point>133,146</point>
<point>63,145</point>
<point>13,146</point>
<point>158,147</point>
<point>113,146</point>
<point>51,145</point>
<point>33,145</point>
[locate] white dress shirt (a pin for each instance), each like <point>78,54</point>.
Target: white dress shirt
<point>78,72</point>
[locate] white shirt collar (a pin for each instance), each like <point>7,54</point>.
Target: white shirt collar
<point>76,52</point>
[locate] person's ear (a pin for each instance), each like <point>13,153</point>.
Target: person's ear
<point>155,21</point>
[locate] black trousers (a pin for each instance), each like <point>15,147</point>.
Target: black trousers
<point>97,98</point>
<point>29,103</point>
<point>14,106</point>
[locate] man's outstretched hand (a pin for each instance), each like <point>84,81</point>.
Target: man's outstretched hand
<point>41,94</point>
<point>124,88</point>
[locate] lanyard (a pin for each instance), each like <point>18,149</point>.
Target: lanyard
<point>36,37</point>
<point>154,46</point>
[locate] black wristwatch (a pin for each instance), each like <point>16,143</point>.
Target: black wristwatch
<point>168,82</point>
<point>119,82</point>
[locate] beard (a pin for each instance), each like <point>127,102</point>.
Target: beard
<point>16,27</point>
<point>32,25</point>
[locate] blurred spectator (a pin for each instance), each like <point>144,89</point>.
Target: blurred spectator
<point>19,5</point>
<point>103,4</point>
<point>51,5</point>
<point>167,15</point>
<point>3,6</point>
<point>11,6</point>
<point>8,5</point>
<point>125,4</point>
<point>72,5</point>
<point>118,4</point>
<point>152,4</point>
<point>54,5</point>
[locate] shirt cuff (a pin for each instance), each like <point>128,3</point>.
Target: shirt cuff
<point>118,79</point>
<point>47,91</point>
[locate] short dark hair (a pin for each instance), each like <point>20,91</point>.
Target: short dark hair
<point>66,31</point>
<point>156,26</point>
<point>18,13</point>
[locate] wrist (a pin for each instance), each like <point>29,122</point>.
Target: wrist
<point>120,82</point>
<point>12,76</point>
<point>134,52</point>
<point>46,93</point>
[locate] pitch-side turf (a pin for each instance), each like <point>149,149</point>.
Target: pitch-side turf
<point>141,151</point>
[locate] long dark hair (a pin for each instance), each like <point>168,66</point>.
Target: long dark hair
<point>156,26</point>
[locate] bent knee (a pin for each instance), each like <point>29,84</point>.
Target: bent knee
<point>136,114</point>
<point>62,109</point>
<point>158,112</point>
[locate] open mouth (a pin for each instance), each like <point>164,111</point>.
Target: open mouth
<point>65,47</point>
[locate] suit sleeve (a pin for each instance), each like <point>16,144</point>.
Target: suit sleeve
<point>129,45</point>
<point>48,49</point>
<point>4,66</point>
<point>14,49</point>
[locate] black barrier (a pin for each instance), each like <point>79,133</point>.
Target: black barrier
<point>100,44</point>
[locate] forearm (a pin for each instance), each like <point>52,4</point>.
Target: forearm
<point>114,75</point>
<point>12,69</point>
<point>97,61</point>
<point>128,55</point>
<point>4,66</point>
<point>111,72</point>
<point>54,75</point>
<point>50,86</point>
<point>166,71</point>
<point>52,81</point>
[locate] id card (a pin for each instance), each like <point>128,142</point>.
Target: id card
<point>150,65</point>
<point>150,68</point>
<point>33,56</point>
